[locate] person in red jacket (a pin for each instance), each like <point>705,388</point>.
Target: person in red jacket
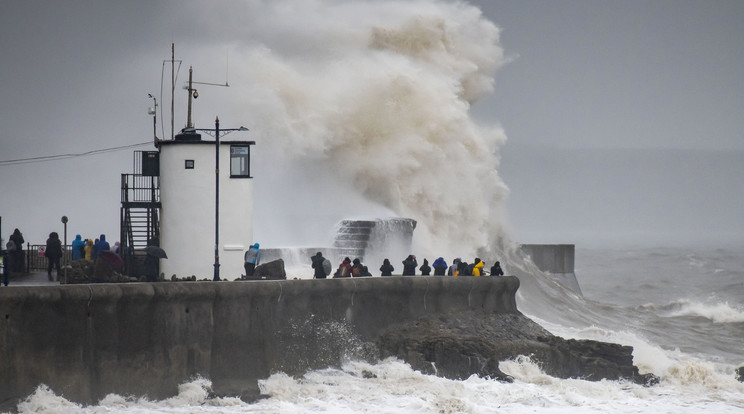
<point>344,269</point>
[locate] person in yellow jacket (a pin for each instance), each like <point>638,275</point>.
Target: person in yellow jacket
<point>88,249</point>
<point>478,267</point>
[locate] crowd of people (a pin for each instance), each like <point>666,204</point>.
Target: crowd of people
<point>87,249</point>
<point>355,268</point>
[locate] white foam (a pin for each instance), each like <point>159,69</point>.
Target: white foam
<point>391,386</point>
<point>719,312</point>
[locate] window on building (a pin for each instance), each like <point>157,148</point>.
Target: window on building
<point>240,161</point>
<point>189,164</point>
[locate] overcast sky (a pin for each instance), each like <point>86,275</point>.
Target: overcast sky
<point>624,119</point>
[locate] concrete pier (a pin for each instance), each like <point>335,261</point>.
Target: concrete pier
<point>86,341</point>
<point>557,260</point>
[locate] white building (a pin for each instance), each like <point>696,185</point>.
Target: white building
<point>187,196</point>
<point>171,195</point>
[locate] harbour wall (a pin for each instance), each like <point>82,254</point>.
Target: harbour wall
<point>144,339</point>
<point>555,259</point>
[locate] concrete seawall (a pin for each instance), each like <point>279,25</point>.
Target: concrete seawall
<point>86,341</point>
<point>557,260</point>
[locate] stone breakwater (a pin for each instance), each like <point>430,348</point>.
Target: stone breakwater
<point>86,341</point>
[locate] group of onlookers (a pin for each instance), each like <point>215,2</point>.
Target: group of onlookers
<point>356,268</point>
<point>87,249</point>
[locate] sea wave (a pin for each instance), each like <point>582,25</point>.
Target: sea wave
<point>391,386</point>
<point>719,312</point>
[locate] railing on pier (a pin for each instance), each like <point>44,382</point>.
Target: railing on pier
<point>137,188</point>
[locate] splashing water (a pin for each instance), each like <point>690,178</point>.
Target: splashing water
<point>380,107</point>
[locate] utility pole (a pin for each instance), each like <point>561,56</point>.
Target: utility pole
<point>173,87</point>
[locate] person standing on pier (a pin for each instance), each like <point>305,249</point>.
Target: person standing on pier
<point>425,268</point>
<point>440,267</point>
<point>386,268</point>
<point>16,252</point>
<point>317,264</point>
<point>53,254</point>
<point>251,259</point>
<point>78,247</point>
<point>409,266</point>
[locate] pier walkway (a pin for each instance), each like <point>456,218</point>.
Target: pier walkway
<point>29,279</point>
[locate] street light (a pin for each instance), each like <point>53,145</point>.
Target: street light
<point>217,132</point>
<point>64,254</point>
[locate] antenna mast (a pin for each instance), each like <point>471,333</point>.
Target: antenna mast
<point>173,85</point>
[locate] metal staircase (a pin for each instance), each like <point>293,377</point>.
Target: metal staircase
<point>140,209</point>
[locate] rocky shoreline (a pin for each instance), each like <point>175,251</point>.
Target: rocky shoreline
<point>459,345</point>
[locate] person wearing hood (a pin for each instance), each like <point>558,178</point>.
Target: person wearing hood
<point>440,267</point>
<point>425,268</point>
<point>16,254</point>
<point>53,253</point>
<point>78,246</point>
<point>356,268</point>
<point>101,246</point>
<point>478,267</point>
<point>454,270</point>
<point>251,259</point>
<point>496,269</point>
<point>386,268</point>
<point>344,269</point>
<point>409,265</point>
<point>464,269</point>
<point>88,250</point>
<point>317,264</point>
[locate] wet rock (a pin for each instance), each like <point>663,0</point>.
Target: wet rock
<point>79,271</point>
<point>740,374</point>
<point>85,271</point>
<point>457,346</point>
<point>269,271</point>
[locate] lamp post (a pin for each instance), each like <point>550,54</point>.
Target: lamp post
<point>64,254</point>
<point>217,131</point>
<point>216,199</point>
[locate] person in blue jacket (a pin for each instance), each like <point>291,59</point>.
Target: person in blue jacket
<point>77,248</point>
<point>251,259</point>
<point>101,246</point>
<point>440,267</point>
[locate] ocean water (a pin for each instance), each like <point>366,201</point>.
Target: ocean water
<point>681,310</point>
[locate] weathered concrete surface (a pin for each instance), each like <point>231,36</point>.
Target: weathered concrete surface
<point>85,341</point>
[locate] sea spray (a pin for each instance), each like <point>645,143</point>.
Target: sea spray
<point>381,101</point>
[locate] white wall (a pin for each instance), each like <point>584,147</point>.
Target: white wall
<point>188,211</point>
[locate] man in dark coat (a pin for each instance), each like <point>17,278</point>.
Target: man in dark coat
<point>425,268</point>
<point>496,269</point>
<point>17,253</point>
<point>409,266</point>
<point>386,268</point>
<point>317,261</point>
<point>53,253</point>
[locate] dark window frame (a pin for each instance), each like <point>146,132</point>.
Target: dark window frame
<point>247,161</point>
